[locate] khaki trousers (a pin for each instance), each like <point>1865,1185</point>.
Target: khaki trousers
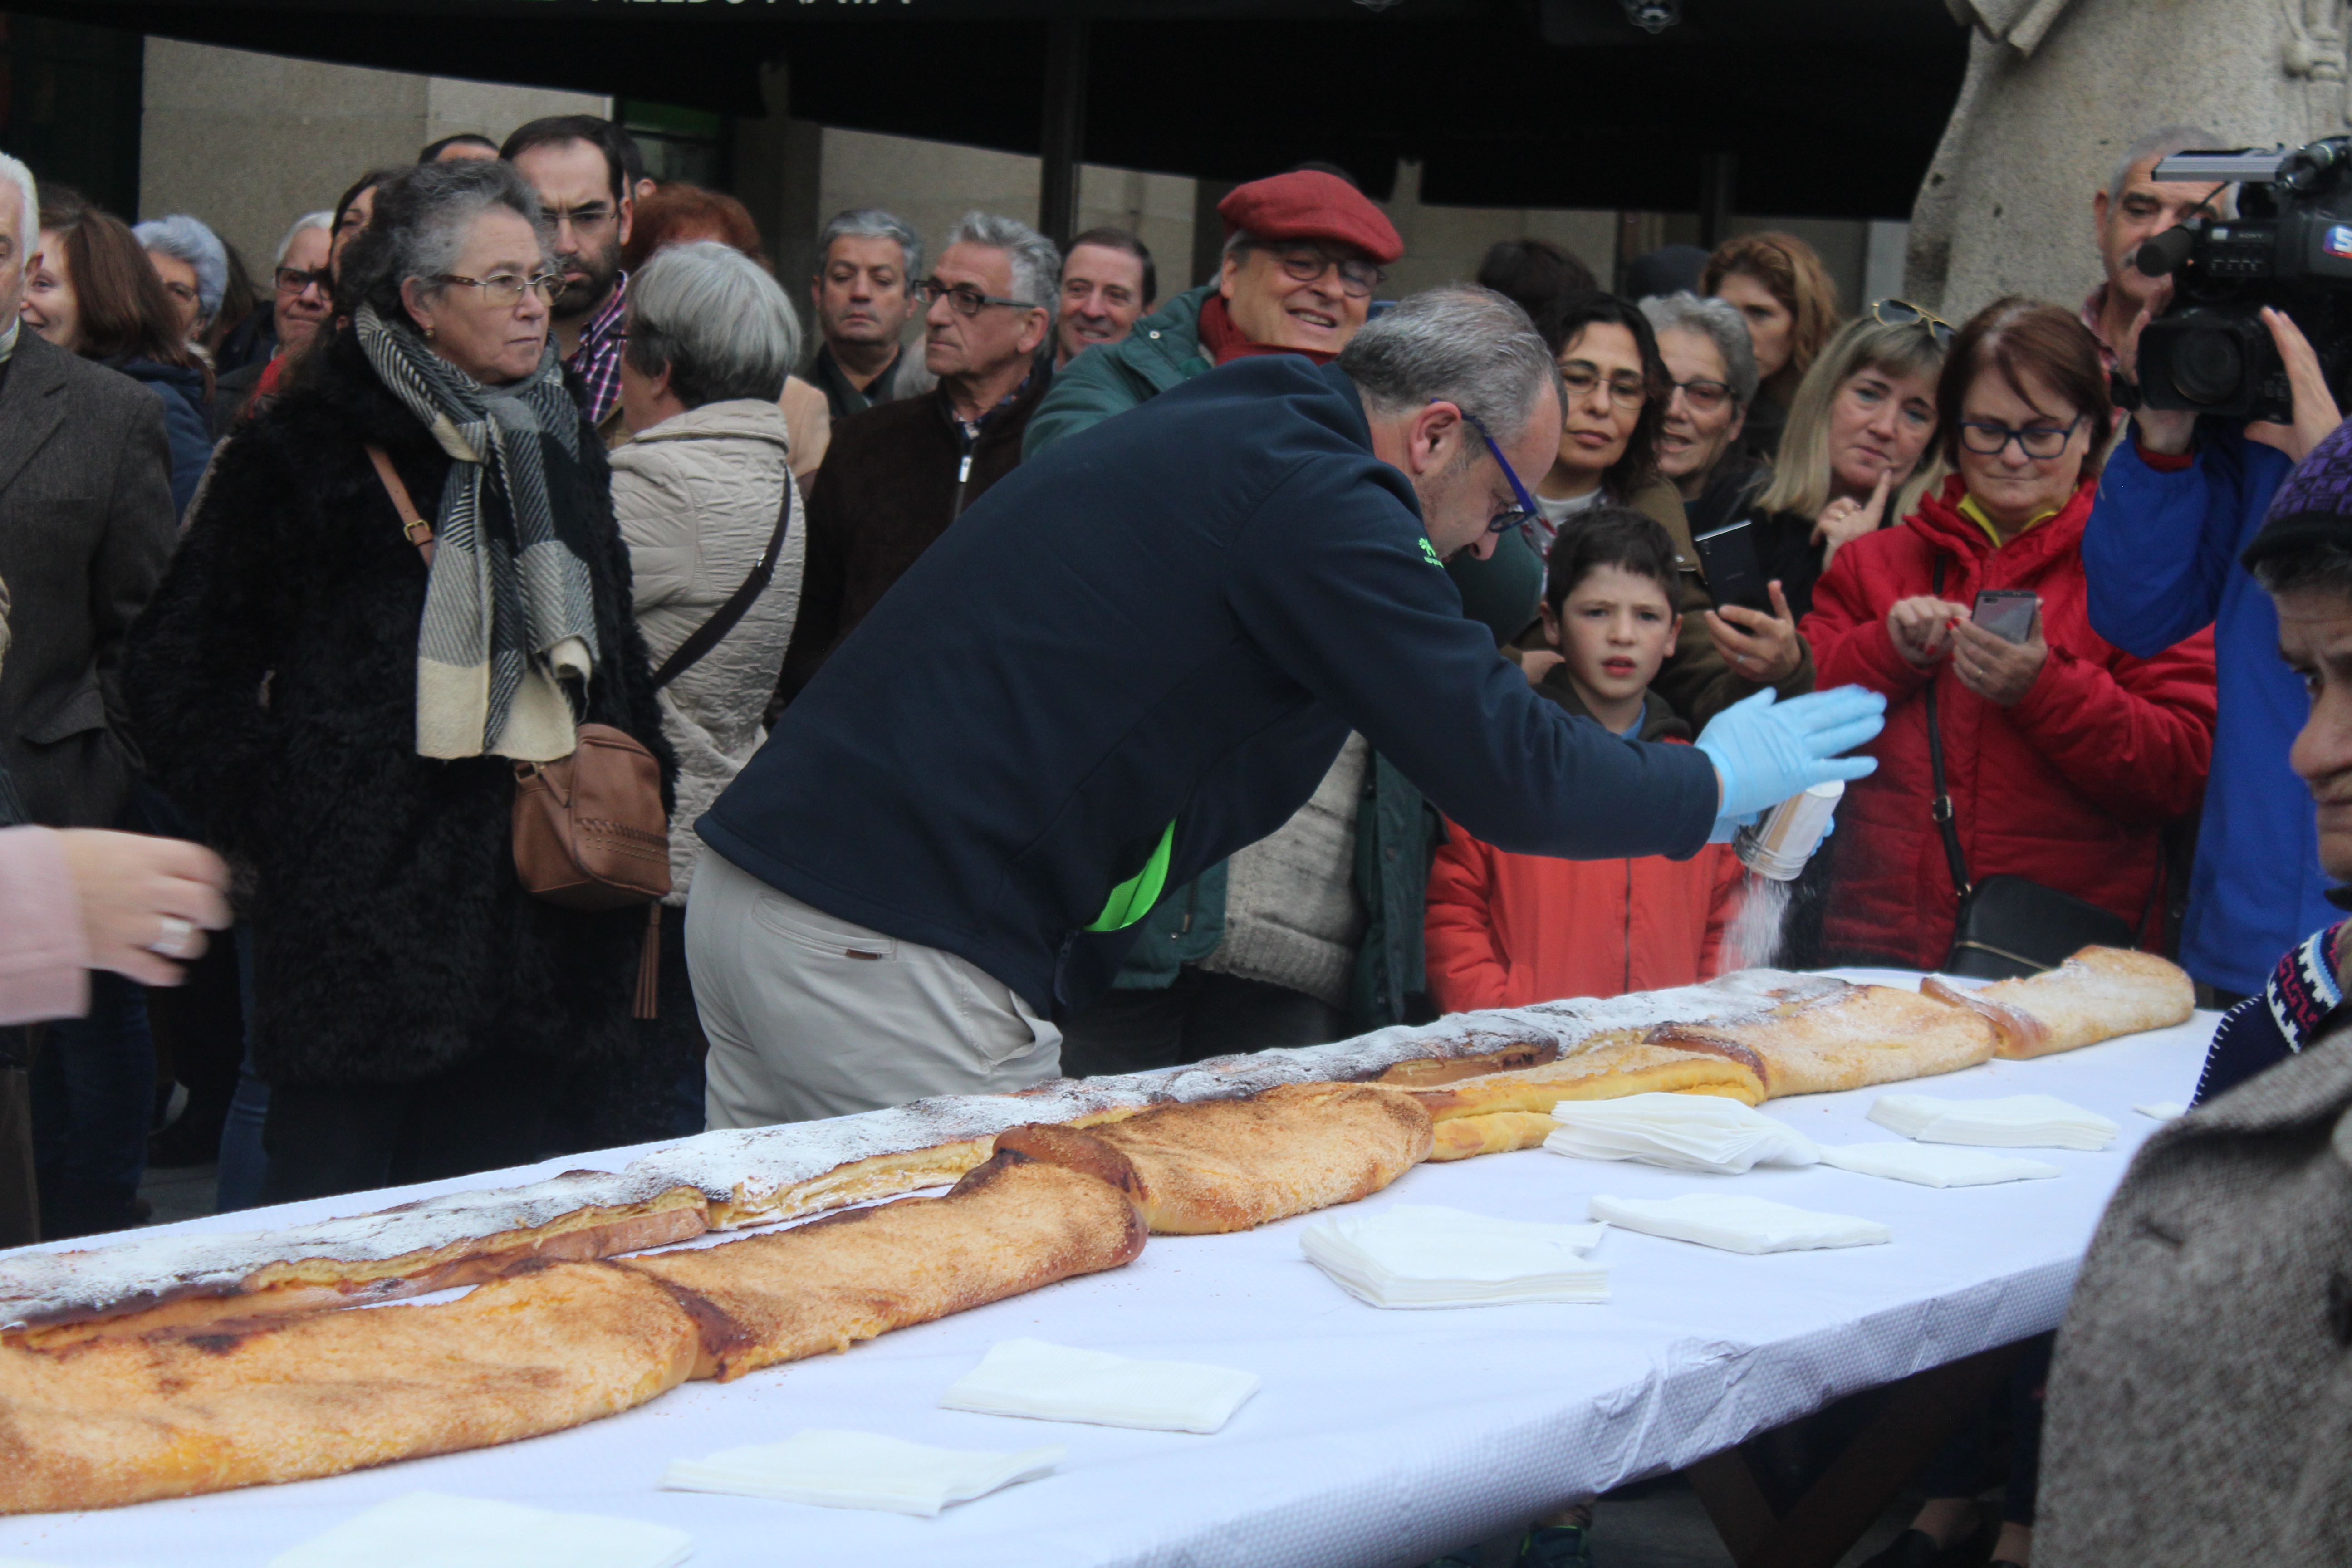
<point>810,1016</point>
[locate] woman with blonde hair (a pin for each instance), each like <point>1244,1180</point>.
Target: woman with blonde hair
<point>1777,283</point>
<point>1859,447</point>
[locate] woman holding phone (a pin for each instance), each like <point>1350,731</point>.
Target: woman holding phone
<point>2063,755</point>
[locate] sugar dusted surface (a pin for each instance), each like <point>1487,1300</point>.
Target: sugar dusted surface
<point>35,1286</point>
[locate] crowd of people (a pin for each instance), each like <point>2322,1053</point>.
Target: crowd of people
<point>983,588</point>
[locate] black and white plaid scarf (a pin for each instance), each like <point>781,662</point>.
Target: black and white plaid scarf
<point>509,614</point>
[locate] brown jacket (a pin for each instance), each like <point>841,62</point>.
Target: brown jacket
<point>2203,1380</point>
<point>893,480</point>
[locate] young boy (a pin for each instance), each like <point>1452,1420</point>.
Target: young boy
<point>1505,930</point>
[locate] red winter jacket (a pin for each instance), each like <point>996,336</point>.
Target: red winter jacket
<point>2068,787</point>
<point>1505,930</point>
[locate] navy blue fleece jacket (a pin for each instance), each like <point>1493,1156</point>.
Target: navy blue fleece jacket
<point>1177,616</point>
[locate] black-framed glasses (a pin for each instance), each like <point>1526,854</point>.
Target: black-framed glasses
<point>1904,313</point>
<point>968,300</point>
<point>1704,396</point>
<point>1307,263</point>
<point>506,290</point>
<point>294,279</point>
<point>1581,376</point>
<point>1989,437</point>
<point>1529,512</point>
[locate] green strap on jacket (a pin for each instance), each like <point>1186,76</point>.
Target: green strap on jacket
<point>1133,900</point>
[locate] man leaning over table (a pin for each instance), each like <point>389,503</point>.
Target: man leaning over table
<point>2197,1403</point>
<point>1138,652</point>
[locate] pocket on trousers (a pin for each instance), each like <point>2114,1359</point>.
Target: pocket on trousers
<point>817,936</point>
<point>995,1024</point>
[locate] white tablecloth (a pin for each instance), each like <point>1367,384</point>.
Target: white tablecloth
<point>1379,1437</point>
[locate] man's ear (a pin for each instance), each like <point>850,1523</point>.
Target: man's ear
<point>2099,217</point>
<point>1229,268</point>
<point>628,210</point>
<point>1425,435</point>
<point>1033,336</point>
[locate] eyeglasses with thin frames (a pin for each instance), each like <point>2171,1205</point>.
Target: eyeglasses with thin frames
<point>582,220</point>
<point>1704,395</point>
<point>2042,441</point>
<point>505,290</point>
<point>1529,512</point>
<point>968,300</point>
<point>1581,376</point>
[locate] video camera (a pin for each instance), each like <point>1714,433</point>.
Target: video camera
<point>2290,246</point>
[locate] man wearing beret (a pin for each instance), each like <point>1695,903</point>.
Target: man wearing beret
<point>1138,653</point>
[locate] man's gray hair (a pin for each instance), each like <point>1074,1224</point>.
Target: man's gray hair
<point>715,319</point>
<point>22,178</point>
<point>325,220</point>
<point>1720,323</point>
<point>1036,260</point>
<point>189,241</point>
<point>1467,345</point>
<point>872,223</point>
<point>2161,143</point>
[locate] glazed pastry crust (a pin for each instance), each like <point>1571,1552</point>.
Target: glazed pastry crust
<point>2098,993</point>
<point>1854,1038</point>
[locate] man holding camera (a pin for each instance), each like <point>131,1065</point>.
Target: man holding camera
<point>2177,504</point>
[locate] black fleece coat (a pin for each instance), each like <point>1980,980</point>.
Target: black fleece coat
<point>272,683</point>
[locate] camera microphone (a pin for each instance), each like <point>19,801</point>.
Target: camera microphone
<point>2159,257</point>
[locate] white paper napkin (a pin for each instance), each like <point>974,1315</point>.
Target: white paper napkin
<point>1423,1255</point>
<point>1738,1224</point>
<point>2163,1110</point>
<point>2017,1121</point>
<point>1057,1383</point>
<point>860,1469</point>
<point>430,1530</point>
<point>1935,1165</point>
<point>1681,1132</point>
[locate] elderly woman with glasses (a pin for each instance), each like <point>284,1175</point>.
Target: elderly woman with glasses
<point>2063,756</point>
<point>404,580</point>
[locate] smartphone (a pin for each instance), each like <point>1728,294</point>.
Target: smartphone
<point>2007,613</point>
<point>1727,558</point>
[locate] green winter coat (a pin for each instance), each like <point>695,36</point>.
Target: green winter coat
<point>1397,830</point>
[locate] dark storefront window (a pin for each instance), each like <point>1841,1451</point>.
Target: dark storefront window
<point>69,100</point>
<point>679,143</point>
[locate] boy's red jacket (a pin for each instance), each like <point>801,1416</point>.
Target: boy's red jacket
<point>2069,787</point>
<point>1505,930</point>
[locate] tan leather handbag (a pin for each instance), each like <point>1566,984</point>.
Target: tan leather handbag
<point>589,829</point>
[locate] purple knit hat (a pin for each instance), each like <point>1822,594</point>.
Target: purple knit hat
<point>2315,505</point>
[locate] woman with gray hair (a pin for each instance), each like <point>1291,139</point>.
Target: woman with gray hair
<point>403,583</point>
<point>193,265</point>
<point>1710,385</point>
<point>703,494</point>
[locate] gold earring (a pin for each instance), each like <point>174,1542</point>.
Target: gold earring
<point>428,334</point>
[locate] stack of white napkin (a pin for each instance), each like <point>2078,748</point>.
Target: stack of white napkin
<point>860,1469</point>
<point>1737,1224</point>
<point>1056,1382</point>
<point>1681,1132</point>
<point>432,1528</point>
<point>1421,1254</point>
<point>2018,1122</point>
<point>2163,1110</point>
<point>1935,1165</point>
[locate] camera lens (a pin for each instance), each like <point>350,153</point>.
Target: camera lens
<point>2207,366</point>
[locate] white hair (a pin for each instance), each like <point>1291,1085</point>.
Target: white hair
<point>29,192</point>
<point>715,319</point>
<point>190,240</point>
<point>1037,262</point>
<point>324,220</point>
<point>1717,321</point>
<point>2161,143</point>
<point>1467,345</point>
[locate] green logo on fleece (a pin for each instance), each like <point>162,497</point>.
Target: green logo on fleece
<point>1429,553</point>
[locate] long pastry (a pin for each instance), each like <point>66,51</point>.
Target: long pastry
<point>1851,1039</point>
<point>1226,1165</point>
<point>1503,1111</point>
<point>2098,993</point>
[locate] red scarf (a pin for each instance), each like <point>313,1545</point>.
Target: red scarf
<point>1223,342</point>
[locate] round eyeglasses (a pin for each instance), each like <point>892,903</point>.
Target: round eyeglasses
<point>506,290</point>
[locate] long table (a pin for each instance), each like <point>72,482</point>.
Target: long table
<point>1379,1437</point>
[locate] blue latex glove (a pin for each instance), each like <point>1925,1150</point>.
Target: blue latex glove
<point>1766,751</point>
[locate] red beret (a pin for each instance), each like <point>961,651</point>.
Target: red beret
<point>1307,203</point>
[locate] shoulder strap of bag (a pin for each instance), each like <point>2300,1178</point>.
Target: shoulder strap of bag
<point>412,522</point>
<point>1941,808</point>
<point>706,637</point>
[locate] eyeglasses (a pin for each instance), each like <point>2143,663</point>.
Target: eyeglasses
<point>292,280</point>
<point>968,300</point>
<point>1904,313</point>
<point>1989,438</point>
<point>506,290</point>
<point>1705,396</point>
<point>1529,512</point>
<point>1581,376</point>
<point>582,220</point>
<point>1307,263</point>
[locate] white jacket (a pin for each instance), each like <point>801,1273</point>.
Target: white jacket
<point>697,497</point>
